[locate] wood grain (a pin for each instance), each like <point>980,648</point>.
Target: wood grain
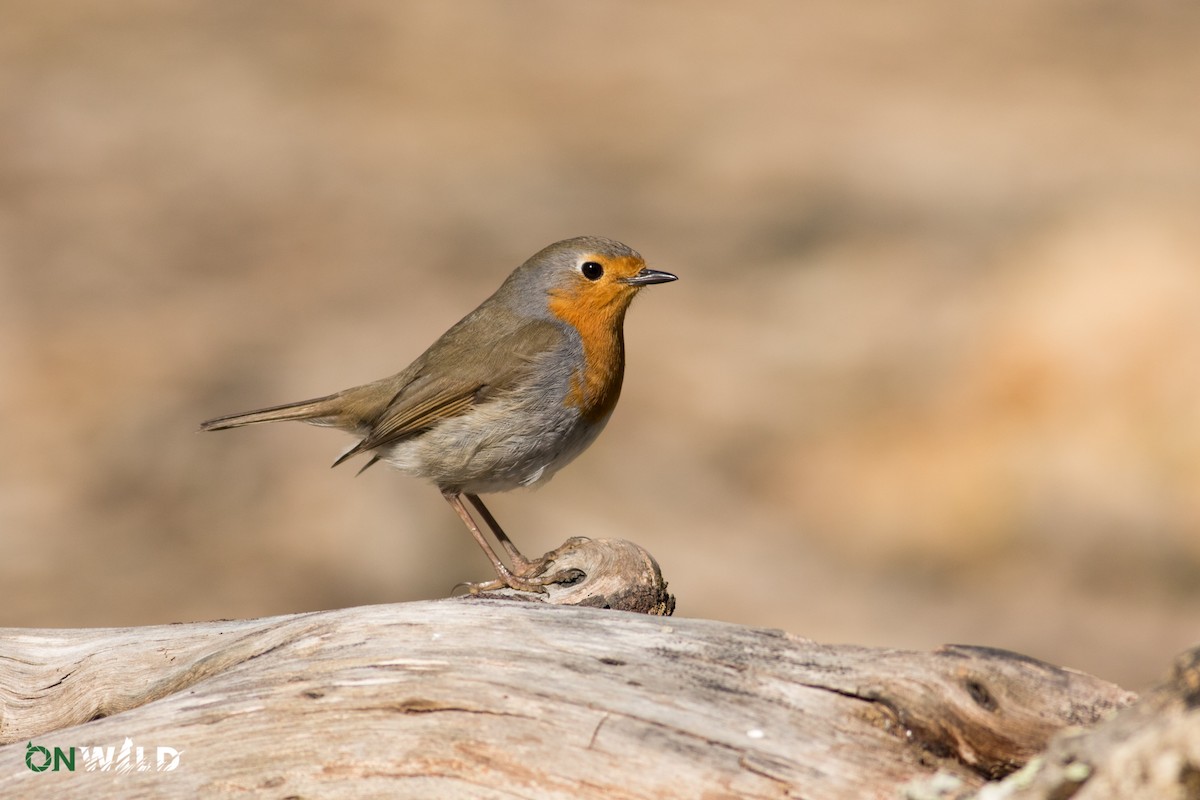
<point>476,697</point>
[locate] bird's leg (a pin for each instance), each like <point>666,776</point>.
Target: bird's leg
<point>521,565</point>
<point>531,571</point>
<point>504,576</point>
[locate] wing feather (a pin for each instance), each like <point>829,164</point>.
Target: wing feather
<point>486,369</point>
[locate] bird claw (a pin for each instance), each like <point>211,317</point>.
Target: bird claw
<point>530,581</point>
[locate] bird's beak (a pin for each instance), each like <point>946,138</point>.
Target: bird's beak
<point>646,276</point>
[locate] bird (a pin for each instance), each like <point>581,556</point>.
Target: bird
<point>505,398</point>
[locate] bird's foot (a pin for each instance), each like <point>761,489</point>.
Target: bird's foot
<point>535,584</point>
<point>530,575</point>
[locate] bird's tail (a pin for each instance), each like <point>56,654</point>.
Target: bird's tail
<point>321,411</point>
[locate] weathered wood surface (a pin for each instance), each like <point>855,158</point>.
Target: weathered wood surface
<point>488,698</point>
<point>1149,751</point>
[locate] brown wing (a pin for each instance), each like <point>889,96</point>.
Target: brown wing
<point>469,373</point>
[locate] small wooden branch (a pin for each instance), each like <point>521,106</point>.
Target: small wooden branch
<point>612,573</point>
<point>474,697</point>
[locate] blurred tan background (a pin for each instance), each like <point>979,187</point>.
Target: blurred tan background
<point>931,373</point>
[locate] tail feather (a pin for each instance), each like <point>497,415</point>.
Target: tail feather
<point>321,411</point>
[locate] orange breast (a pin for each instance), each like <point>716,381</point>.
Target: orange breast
<point>596,387</point>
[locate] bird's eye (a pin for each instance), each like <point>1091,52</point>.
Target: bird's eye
<point>591,270</point>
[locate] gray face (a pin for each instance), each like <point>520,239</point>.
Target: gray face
<point>558,267</point>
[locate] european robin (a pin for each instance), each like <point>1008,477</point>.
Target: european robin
<point>505,398</point>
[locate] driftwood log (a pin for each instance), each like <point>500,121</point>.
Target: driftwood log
<point>489,698</point>
<point>1150,751</point>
